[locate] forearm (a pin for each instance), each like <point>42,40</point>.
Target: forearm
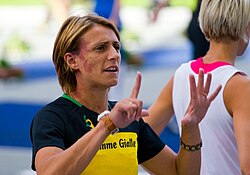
<point>76,158</point>
<point>189,162</point>
<point>158,119</point>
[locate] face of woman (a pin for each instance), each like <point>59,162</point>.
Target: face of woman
<point>99,58</point>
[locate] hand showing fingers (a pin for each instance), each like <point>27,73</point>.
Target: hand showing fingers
<point>200,101</point>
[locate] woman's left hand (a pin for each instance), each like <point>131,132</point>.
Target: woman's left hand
<point>200,101</point>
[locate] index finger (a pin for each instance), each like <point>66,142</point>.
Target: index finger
<point>137,86</point>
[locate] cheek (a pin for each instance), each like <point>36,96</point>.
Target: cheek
<point>87,66</point>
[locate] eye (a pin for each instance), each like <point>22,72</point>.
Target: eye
<point>101,47</point>
<point>117,47</point>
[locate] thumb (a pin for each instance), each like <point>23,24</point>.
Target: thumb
<point>144,113</point>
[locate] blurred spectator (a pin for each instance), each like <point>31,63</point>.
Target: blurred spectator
<point>57,10</point>
<point>14,47</point>
<point>6,71</point>
<point>156,6</point>
<point>194,33</point>
<point>109,9</point>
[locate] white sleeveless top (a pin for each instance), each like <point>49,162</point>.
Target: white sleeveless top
<point>219,151</point>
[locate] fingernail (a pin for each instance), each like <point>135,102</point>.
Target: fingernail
<point>201,69</point>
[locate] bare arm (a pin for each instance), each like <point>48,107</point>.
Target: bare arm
<point>237,100</point>
<point>186,162</point>
<point>53,160</point>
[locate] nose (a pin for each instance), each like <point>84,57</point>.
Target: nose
<point>114,54</point>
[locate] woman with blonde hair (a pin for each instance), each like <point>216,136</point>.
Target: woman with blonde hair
<point>225,129</point>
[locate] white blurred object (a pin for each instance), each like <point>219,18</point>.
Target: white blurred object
<point>167,31</point>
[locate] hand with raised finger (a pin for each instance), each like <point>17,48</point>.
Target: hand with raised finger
<point>128,110</point>
<point>123,113</point>
<point>200,101</point>
<point>137,104</point>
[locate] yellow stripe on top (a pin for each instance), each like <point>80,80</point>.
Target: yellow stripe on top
<point>117,155</point>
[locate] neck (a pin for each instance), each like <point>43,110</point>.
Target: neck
<point>226,52</point>
<point>94,100</point>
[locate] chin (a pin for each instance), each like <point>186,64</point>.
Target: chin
<point>113,83</point>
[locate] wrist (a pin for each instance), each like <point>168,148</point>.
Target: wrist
<point>190,131</point>
<point>191,135</point>
<point>187,147</point>
<point>108,123</point>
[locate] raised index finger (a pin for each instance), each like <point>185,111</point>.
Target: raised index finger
<point>137,86</point>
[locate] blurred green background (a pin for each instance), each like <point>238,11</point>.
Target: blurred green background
<point>21,2</point>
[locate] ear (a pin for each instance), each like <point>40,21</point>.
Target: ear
<point>71,60</point>
<point>248,30</point>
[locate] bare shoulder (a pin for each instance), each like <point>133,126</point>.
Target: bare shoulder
<point>237,92</point>
<point>238,81</point>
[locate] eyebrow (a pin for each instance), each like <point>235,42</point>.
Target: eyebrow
<point>106,42</point>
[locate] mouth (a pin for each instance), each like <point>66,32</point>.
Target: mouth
<point>111,69</point>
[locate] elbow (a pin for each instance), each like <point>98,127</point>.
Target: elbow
<point>47,171</point>
<point>245,170</point>
<point>53,172</point>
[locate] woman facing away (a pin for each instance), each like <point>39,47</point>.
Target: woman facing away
<point>225,129</point>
